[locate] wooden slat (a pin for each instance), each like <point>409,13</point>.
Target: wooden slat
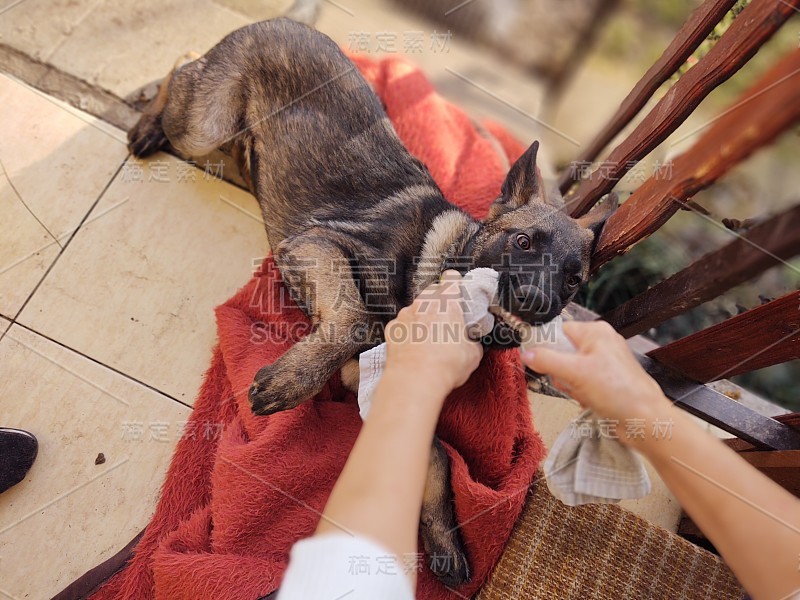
<point>752,252</point>
<point>738,445</point>
<point>754,26</point>
<point>766,110</point>
<point>696,29</point>
<point>713,407</point>
<point>790,419</point>
<point>761,337</point>
<point>782,466</point>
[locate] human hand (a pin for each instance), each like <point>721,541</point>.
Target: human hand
<point>602,374</point>
<point>429,340</point>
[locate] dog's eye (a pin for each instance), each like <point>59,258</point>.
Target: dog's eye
<point>573,281</point>
<point>523,241</point>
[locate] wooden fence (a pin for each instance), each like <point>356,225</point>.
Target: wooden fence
<point>761,337</point>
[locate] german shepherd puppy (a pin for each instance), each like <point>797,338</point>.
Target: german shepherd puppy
<point>357,225</point>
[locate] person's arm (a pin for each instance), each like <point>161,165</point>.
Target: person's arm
<point>753,522</point>
<point>379,493</point>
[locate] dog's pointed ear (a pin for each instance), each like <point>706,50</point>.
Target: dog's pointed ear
<point>522,185</point>
<point>596,218</point>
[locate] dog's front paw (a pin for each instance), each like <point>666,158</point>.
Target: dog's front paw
<point>270,393</point>
<point>147,136</point>
<point>446,555</point>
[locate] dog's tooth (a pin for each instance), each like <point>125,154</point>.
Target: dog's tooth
<point>508,318</point>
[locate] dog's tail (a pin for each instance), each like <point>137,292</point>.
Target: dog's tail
<point>304,11</point>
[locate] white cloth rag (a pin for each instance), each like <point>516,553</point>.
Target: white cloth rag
<point>587,464</point>
<point>478,290</point>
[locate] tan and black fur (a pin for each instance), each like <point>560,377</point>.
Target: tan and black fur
<point>357,224</point>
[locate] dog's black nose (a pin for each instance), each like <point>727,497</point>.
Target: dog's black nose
<point>534,305</point>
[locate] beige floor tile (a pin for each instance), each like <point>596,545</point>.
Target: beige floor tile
<point>136,287</point>
<point>26,251</point>
<point>54,163</point>
<point>4,323</point>
<point>70,513</point>
<point>38,27</point>
<point>551,416</point>
<point>58,159</point>
<point>121,46</point>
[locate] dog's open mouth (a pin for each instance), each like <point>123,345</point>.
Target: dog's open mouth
<point>508,319</point>
<point>509,330</point>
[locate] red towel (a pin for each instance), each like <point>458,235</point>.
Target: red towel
<point>242,489</point>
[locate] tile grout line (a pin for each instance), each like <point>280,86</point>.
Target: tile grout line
<point>100,363</point>
<point>12,320</point>
<point>19,197</point>
<point>14,73</point>
<point>34,73</point>
<point>114,123</point>
<point>69,239</point>
<point>104,106</point>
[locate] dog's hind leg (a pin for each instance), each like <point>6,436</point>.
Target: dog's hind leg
<point>147,136</point>
<point>439,529</point>
<point>200,106</point>
<point>318,274</point>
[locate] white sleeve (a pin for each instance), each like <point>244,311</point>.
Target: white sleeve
<point>343,566</point>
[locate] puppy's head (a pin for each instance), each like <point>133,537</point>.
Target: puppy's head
<point>541,253</point>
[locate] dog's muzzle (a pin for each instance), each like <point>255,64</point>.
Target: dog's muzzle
<point>533,305</point>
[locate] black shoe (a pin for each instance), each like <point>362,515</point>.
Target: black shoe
<point>17,452</point>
